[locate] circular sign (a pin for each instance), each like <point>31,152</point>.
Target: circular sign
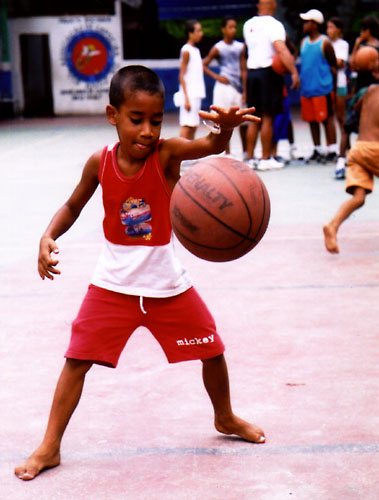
<point>89,56</point>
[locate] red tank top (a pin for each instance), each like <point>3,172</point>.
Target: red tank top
<point>136,208</point>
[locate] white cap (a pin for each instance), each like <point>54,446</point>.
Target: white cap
<point>313,15</point>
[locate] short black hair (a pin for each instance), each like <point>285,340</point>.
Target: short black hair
<point>131,79</point>
<point>226,19</point>
<point>337,22</point>
<point>189,27</point>
<point>371,23</point>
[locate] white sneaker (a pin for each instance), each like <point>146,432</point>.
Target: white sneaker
<point>252,163</point>
<point>270,164</point>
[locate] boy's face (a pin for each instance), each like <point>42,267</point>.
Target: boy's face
<point>197,33</point>
<point>138,121</point>
<point>365,34</point>
<point>229,30</point>
<point>332,31</point>
<point>309,27</point>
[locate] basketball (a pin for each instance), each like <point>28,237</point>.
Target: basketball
<point>366,58</point>
<point>278,66</point>
<point>219,209</point>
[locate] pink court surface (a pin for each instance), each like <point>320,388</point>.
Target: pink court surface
<point>300,327</point>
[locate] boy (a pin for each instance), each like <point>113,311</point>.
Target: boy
<point>227,90</point>
<point>318,65</point>
<point>362,166</point>
<point>191,81</point>
<point>138,280</point>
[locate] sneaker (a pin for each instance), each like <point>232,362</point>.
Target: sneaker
<point>331,157</point>
<point>270,164</point>
<point>340,168</point>
<point>280,159</point>
<point>295,155</point>
<point>316,158</point>
<point>252,163</point>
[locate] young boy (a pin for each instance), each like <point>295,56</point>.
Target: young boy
<point>191,81</point>
<point>362,166</point>
<point>138,280</point>
<point>227,90</point>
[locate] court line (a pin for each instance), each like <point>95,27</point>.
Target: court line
<point>249,450</point>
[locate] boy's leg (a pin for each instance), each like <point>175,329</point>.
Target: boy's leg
<point>66,397</point>
<point>347,208</point>
<point>251,138</point>
<point>187,132</point>
<point>216,382</point>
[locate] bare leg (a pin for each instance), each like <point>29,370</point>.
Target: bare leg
<point>315,132</point>
<point>216,382</point>
<point>347,208</point>
<point>251,138</point>
<point>330,130</point>
<point>345,143</point>
<point>67,395</point>
<point>188,132</point>
<point>243,133</point>
<point>266,135</point>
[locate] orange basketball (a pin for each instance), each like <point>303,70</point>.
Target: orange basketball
<point>278,66</point>
<point>366,58</point>
<point>219,209</point>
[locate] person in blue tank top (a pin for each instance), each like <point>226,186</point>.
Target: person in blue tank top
<point>318,67</point>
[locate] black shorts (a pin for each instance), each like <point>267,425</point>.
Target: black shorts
<point>264,91</point>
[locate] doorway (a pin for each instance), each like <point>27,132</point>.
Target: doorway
<point>36,75</point>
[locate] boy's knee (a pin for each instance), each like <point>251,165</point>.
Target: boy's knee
<point>359,196</point>
<point>78,365</point>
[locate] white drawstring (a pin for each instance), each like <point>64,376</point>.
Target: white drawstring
<point>141,305</point>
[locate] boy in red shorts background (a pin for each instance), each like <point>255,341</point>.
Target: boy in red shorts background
<point>318,65</point>
<point>138,281</point>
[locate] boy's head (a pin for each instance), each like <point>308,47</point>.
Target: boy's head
<point>370,27</point>
<point>193,31</point>
<point>131,79</point>
<point>334,28</point>
<point>229,28</point>
<point>313,19</point>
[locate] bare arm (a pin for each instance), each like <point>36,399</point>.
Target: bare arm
<point>288,61</point>
<point>183,69</point>
<point>177,149</point>
<point>213,54</point>
<point>66,216</point>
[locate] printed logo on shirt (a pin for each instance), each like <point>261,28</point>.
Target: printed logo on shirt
<point>196,341</point>
<point>135,215</point>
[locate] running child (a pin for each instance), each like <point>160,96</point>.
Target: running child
<point>362,163</point>
<point>138,281</point>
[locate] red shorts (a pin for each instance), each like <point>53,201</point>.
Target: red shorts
<point>182,325</point>
<point>316,109</point>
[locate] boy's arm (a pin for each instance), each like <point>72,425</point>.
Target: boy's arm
<point>66,216</point>
<point>182,71</point>
<point>288,61</point>
<point>213,54</point>
<point>173,151</point>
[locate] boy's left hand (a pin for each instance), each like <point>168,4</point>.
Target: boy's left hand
<point>229,118</point>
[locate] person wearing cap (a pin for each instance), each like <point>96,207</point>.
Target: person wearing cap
<point>317,71</point>
<point>264,37</point>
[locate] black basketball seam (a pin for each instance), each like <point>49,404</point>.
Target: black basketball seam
<point>176,230</point>
<point>238,233</point>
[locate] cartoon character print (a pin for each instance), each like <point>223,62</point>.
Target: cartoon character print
<point>135,214</point>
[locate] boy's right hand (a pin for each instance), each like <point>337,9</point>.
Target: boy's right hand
<point>46,264</point>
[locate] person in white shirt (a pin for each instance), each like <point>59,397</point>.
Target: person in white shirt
<point>334,30</point>
<point>264,37</point>
<point>191,81</point>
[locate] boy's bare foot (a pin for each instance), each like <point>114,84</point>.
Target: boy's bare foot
<point>36,463</point>
<point>241,428</point>
<point>330,237</point>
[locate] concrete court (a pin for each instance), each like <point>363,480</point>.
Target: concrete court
<point>300,326</point>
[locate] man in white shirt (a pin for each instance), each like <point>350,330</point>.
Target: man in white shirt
<point>264,37</point>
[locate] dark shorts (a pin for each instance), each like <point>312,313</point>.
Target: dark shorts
<point>182,325</point>
<point>264,91</point>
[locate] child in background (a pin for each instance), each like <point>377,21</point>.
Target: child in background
<point>138,280</point>
<point>191,81</point>
<point>227,90</point>
<point>362,164</point>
